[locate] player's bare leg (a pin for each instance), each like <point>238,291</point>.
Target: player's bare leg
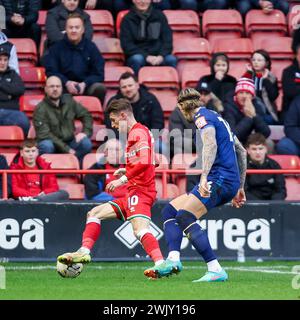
<point>90,234</point>
<point>141,229</point>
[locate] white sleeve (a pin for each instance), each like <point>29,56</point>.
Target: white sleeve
<point>13,60</point>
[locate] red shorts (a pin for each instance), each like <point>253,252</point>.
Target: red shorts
<point>136,203</point>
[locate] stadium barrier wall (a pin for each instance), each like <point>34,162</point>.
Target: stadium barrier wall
<point>41,231</point>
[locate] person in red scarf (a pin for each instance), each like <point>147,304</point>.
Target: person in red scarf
<point>34,186</point>
<point>245,113</point>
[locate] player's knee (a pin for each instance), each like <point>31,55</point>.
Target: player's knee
<point>139,233</point>
<point>169,212</point>
<point>95,212</point>
<point>185,219</point>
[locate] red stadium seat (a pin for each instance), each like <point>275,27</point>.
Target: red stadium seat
<point>90,159</point>
<point>184,23</point>
<point>113,74</point>
<point>191,76</point>
<point>111,51</point>
<point>26,51</point>
<point>190,51</point>
<point>34,79</point>
<point>93,105</point>
<point>182,161</point>
<point>28,103</point>
<point>99,136</point>
<point>9,156</point>
<point>168,102</point>
<point>102,21</point>
<point>292,189</point>
<point>221,24</point>
<point>62,161</point>
<point>75,190</point>
<point>261,25</point>
<point>120,16</point>
<point>286,161</point>
<point>11,136</point>
<point>161,162</point>
<point>277,68</point>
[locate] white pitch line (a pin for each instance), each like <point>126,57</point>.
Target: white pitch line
<point>262,269</point>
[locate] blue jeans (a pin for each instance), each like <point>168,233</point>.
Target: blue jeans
<point>287,146</point>
<point>137,61</point>
<point>243,6</point>
<point>82,147</point>
<point>14,118</point>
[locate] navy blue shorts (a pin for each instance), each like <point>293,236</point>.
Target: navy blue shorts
<point>221,193</point>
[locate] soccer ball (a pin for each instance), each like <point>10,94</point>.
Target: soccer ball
<point>69,271</point>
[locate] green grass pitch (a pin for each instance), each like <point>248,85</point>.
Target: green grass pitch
<point>125,281</point>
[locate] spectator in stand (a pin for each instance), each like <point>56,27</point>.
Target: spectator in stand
<point>13,62</point>
<point>290,83</point>
<point>120,5</point>
<point>77,61</point>
<point>266,86</point>
<point>48,4</point>
<point>267,6</point>
<point>96,4</point>
<point>56,21</point>
<point>262,186</point>
<point>32,186</point>
<point>221,83</point>
<point>245,113</point>
<point>290,144</point>
<point>146,108</point>
<point>4,166</point>
<point>197,5</point>
<point>11,89</point>
<point>21,18</point>
<point>146,37</point>
<point>54,119</point>
<point>95,184</point>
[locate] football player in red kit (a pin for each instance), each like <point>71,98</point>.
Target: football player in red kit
<point>135,206</point>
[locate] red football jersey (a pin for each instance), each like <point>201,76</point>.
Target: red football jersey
<point>139,156</point>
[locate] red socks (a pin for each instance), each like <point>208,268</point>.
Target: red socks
<point>91,233</point>
<point>151,246</point>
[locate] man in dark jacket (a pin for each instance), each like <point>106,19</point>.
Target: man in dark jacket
<point>21,18</point>
<point>290,83</point>
<point>146,108</point>
<point>54,119</point>
<point>262,186</point>
<point>77,61</point>
<point>11,88</point>
<point>56,21</point>
<point>245,113</point>
<point>146,37</point>
<point>290,144</point>
<point>267,6</point>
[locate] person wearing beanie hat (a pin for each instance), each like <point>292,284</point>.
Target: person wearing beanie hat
<point>245,113</point>
<point>266,86</point>
<point>222,84</point>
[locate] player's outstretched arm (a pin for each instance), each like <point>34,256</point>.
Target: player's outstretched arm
<point>209,152</point>
<point>240,197</point>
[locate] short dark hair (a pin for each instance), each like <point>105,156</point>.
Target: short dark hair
<point>75,15</point>
<point>118,105</point>
<point>256,139</point>
<point>28,143</point>
<point>127,75</point>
